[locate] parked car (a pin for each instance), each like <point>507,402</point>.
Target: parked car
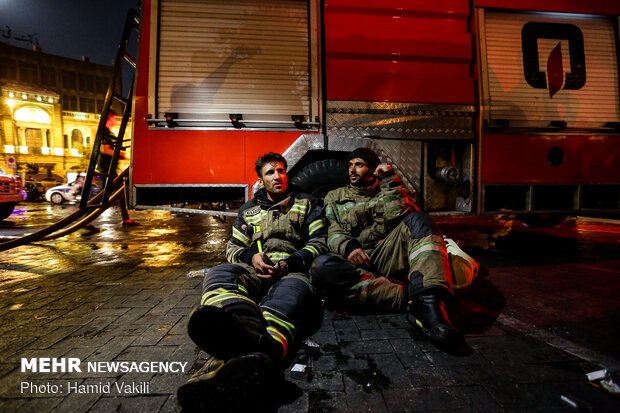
<point>64,193</point>
<point>36,185</point>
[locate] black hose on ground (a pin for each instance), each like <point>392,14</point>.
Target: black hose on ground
<point>92,211</point>
<point>87,219</point>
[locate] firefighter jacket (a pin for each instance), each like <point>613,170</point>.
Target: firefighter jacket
<point>361,217</point>
<point>293,230</point>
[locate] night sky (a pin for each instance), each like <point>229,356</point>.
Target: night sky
<point>71,28</point>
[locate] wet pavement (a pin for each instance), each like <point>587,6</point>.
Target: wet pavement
<point>542,313</point>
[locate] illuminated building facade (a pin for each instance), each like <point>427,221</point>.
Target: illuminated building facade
<point>49,109</point>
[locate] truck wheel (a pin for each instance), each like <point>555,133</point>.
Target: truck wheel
<point>56,198</point>
<point>320,177</point>
<point>6,210</point>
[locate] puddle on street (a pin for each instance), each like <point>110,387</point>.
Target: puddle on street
<point>371,379</point>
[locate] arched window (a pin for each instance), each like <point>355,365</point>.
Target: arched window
<point>77,141</point>
<point>32,114</point>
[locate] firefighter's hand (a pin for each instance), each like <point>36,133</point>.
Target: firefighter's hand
<point>359,258</point>
<point>382,169</point>
<point>259,264</point>
<point>279,271</point>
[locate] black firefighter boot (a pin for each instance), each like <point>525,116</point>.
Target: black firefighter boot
<point>427,313</point>
<point>221,386</point>
<point>244,359</point>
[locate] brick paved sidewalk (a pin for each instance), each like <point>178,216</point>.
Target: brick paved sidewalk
<point>535,324</point>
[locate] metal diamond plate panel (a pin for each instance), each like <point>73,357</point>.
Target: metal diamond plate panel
<point>406,159</point>
<point>302,145</point>
<point>400,120</point>
<point>405,156</point>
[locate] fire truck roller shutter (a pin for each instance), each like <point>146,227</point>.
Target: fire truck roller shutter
<point>320,177</point>
<point>545,67</point>
<point>216,58</point>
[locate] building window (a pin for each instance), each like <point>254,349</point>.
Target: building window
<point>28,72</point>
<point>69,80</point>
<point>87,82</point>
<point>77,141</point>
<point>48,76</point>
<point>69,102</point>
<point>102,84</point>
<point>34,138</point>
<point>65,141</point>
<point>87,105</point>
<point>7,69</point>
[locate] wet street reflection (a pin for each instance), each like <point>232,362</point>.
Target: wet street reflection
<point>542,312</point>
<point>161,240</point>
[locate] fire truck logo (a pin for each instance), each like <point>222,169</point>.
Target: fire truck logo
<point>555,77</point>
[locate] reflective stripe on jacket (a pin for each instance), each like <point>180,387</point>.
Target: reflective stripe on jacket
<point>293,230</point>
<point>361,217</point>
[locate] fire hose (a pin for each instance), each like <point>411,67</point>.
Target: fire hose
<point>79,218</point>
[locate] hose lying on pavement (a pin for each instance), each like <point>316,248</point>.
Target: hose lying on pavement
<point>91,212</point>
<point>87,219</point>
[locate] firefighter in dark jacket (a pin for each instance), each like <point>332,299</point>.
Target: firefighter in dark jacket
<point>377,236</point>
<point>255,307</point>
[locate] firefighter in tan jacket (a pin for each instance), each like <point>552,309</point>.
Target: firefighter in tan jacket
<point>255,307</point>
<point>377,236</point>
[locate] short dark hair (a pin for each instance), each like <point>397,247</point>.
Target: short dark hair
<point>268,158</point>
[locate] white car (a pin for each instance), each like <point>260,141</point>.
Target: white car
<point>63,193</point>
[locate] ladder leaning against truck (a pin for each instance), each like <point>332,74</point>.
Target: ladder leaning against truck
<point>481,106</point>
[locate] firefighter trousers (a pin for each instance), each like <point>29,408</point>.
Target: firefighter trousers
<point>288,309</point>
<point>411,259</point>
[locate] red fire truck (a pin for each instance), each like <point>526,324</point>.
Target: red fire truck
<point>11,193</point>
<point>481,106</point>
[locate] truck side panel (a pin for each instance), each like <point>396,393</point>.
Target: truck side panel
<point>202,157</point>
<point>176,156</point>
<point>398,51</point>
<point>549,138</point>
<point>530,159</point>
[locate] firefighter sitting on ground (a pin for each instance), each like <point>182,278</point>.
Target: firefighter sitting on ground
<point>376,234</point>
<point>254,308</point>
